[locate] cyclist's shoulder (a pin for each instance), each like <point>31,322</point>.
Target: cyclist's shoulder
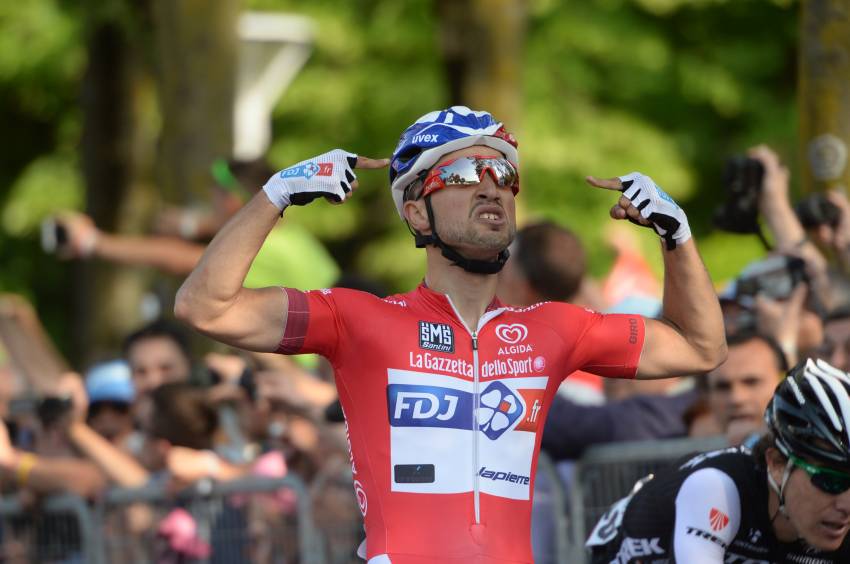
<point>548,311</point>
<point>731,466</point>
<point>731,460</point>
<point>350,295</point>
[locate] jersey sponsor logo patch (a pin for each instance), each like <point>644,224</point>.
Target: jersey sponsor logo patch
<point>362,502</point>
<point>512,334</point>
<point>429,406</point>
<point>633,331</point>
<point>515,349</point>
<point>632,548</point>
<point>308,170</point>
<point>432,417</point>
<point>436,337</point>
<point>706,535</point>
<point>718,519</point>
<point>496,475</point>
<point>499,409</point>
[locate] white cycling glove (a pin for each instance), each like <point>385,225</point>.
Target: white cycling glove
<point>329,175</point>
<point>654,204</point>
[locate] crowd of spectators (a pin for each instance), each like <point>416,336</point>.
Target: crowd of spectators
<point>159,413</point>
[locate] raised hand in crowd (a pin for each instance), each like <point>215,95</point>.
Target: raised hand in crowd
<point>782,320</point>
<point>84,240</point>
<point>840,232</point>
<point>788,234</point>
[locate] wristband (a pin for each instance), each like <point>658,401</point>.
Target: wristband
<point>25,465</point>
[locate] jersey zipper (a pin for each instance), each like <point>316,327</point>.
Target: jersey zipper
<point>476,486</point>
<point>475,433</point>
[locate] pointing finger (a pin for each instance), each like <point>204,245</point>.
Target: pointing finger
<point>366,162</point>
<point>606,183</point>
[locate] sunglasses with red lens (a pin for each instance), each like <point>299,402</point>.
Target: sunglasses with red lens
<point>470,170</point>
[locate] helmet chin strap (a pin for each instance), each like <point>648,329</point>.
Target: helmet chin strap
<point>780,491</point>
<point>470,265</point>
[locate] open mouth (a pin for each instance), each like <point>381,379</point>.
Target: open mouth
<point>489,214</point>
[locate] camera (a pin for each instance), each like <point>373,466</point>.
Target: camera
<point>774,277</point>
<point>52,409</point>
<point>54,236</point>
<point>816,210</point>
<point>742,178</point>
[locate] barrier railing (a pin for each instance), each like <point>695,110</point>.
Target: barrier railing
<point>606,473</point>
<point>247,520</point>
<point>59,529</point>
<point>271,519</point>
<point>262,520</point>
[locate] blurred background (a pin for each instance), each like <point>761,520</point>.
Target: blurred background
<point>118,108</point>
<point>132,129</point>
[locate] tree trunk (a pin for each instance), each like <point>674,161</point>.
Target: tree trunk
<point>481,42</point>
<point>124,143</point>
<point>115,152</point>
<point>825,93</point>
<point>196,46</point>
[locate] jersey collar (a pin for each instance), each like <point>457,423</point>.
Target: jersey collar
<point>441,302</point>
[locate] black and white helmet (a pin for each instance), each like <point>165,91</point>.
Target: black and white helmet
<point>809,414</point>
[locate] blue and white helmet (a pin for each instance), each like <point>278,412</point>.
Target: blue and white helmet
<point>437,133</point>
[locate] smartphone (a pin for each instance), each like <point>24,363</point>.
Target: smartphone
<point>54,236</point>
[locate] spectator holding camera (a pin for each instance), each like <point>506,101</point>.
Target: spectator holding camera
<point>180,235</point>
<point>788,233</point>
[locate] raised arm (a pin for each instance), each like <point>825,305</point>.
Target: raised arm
<point>168,254</point>
<point>689,338</point>
<point>213,299</point>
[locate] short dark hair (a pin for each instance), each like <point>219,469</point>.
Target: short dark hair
<point>551,258</point>
<point>742,337</point>
<point>766,441</point>
<point>162,329</point>
<point>182,416</point>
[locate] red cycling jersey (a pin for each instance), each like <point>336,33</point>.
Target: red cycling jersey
<point>444,421</point>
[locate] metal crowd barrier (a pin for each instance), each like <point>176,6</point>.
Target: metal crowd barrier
<point>59,529</point>
<point>258,520</point>
<point>606,473</point>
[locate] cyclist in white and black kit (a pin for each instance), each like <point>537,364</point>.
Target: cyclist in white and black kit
<point>787,500</point>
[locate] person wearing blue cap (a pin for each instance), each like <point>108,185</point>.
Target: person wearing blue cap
<point>110,390</point>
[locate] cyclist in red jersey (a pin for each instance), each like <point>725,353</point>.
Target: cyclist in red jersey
<point>445,389</point>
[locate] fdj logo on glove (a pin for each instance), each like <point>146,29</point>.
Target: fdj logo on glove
<point>308,170</point>
<point>436,337</point>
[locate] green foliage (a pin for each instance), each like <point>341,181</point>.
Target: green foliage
<point>668,87</point>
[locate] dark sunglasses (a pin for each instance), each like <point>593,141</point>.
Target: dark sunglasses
<point>826,480</point>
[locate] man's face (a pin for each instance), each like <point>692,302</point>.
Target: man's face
<point>821,519</point>
<point>740,388</point>
<point>155,361</point>
<point>480,220</point>
<point>111,420</point>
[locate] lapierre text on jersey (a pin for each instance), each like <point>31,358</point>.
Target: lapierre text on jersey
<point>489,369</point>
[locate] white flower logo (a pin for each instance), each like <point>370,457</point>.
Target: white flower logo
<point>499,408</point>
<point>512,334</point>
